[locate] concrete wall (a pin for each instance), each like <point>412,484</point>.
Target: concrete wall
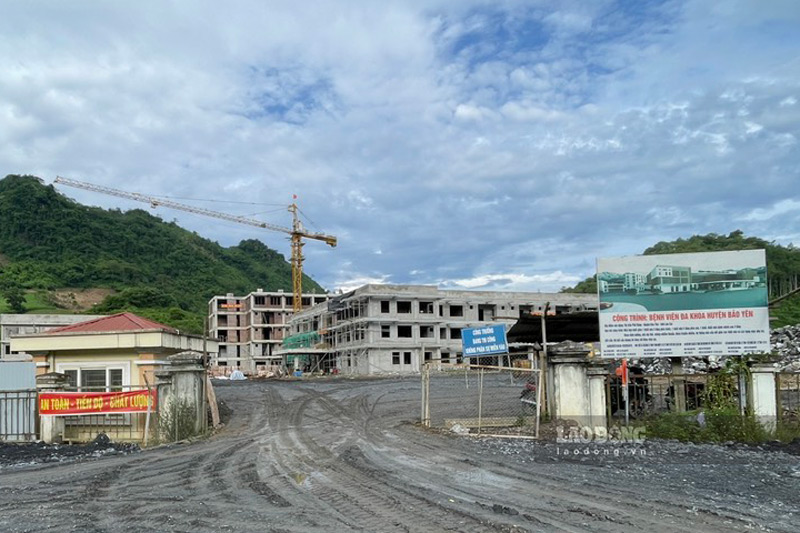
<point>497,307</point>
<point>17,372</point>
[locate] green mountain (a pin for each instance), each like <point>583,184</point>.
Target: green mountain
<point>783,267</point>
<point>48,241</point>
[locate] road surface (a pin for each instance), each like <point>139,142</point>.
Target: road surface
<point>346,455</point>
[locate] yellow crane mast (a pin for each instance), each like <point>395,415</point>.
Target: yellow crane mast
<point>297,233</point>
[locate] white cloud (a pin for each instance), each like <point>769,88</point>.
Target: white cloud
<point>551,281</point>
<point>782,207</point>
<point>455,138</point>
<point>350,284</point>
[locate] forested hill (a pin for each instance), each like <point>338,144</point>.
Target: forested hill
<point>48,241</point>
<point>783,266</point>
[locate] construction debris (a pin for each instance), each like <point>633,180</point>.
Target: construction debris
<point>785,343</point>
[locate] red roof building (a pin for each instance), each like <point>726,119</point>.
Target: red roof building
<point>118,322</point>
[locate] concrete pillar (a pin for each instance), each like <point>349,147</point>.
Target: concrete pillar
<point>51,427</point>
<point>678,384</point>
<point>597,372</point>
<point>181,397</point>
<point>763,399</point>
<point>571,390</point>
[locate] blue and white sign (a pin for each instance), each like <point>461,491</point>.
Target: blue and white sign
<point>485,340</point>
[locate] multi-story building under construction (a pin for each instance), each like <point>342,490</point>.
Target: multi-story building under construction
<point>250,328</point>
<point>395,328</point>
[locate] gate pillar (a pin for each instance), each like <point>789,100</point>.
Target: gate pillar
<point>51,427</point>
<point>763,399</point>
<point>578,384</point>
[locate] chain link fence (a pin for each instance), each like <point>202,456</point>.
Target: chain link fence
<point>481,400</point>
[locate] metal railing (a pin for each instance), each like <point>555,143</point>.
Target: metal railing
<point>650,394</point>
<point>18,420</point>
<point>787,391</point>
<point>138,427</point>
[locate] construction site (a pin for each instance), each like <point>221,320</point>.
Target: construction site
<point>407,408</point>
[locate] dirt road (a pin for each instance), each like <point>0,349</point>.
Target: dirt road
<point>344,455</point>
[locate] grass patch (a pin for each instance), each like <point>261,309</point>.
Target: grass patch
<point>721,425</point>
<point>786,313</point>
<point>35,302</point>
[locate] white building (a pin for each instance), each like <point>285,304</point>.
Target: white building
<point>668,278</point>
<point>395,328</point>
<point>634,281</point>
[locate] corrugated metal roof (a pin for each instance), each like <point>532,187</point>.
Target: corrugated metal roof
<point>118,322</point>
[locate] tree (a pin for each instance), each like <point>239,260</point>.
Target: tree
<point>14,295</point>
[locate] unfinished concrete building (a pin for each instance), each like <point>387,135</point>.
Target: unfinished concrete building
<point>25,324</point>
<point>395,328</point>
<point>250,328</point>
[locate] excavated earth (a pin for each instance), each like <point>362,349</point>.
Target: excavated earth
<point>346,455</point>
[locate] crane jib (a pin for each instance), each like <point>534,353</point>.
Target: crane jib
<point>297,256</point>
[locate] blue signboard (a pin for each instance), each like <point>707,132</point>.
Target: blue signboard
<point>485,340</point>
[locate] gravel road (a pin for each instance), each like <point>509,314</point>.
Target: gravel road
<point>345,455</point>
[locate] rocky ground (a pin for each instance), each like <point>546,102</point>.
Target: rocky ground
<point>39,452</point>
<point>347,455</point>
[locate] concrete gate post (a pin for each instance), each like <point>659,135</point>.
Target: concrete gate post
<point>51,427</point>
<point>572,398</point>
<point>763,399</point>
<point>597,373</point>
<point>182,404</point>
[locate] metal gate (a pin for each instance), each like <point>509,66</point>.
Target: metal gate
<point>18,416</point>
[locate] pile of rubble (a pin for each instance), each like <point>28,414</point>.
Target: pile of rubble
<point>785,345</point>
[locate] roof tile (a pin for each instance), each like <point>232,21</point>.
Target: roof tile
<point>118,322</point>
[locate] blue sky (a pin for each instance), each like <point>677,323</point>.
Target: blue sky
<point>497,145</point>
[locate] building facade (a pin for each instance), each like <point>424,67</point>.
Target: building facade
<point>26,324</point>
<point>668,278</point>
<point>249,329</point>
<point>379,329</point>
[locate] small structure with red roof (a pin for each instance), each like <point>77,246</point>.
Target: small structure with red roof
<point>112,351</point>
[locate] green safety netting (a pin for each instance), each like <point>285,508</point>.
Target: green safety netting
<point>301,340</point>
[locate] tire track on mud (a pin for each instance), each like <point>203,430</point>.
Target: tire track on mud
<point>362,493</point>
<point>324,456</point>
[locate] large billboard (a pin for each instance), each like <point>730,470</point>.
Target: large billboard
<point>683,305</point>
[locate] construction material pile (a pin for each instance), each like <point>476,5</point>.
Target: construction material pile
<point>785,343</point>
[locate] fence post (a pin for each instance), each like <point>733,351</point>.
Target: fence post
<point>425,415</point>
<point>678,384</point>
<point>763,395</point>
<point>51,428</point>
<point>480,401</point>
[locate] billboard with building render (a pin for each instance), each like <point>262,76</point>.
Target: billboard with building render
<point>683,305</point>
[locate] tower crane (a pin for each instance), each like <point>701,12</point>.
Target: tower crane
<point>297,232</point>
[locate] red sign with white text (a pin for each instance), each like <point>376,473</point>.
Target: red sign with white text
<point>87,403</point>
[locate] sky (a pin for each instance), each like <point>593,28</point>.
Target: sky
<point>487,145</point>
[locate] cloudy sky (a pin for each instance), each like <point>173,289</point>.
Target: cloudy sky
<point>499,145</point>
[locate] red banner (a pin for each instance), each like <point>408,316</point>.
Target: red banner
<point>86,403</point>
